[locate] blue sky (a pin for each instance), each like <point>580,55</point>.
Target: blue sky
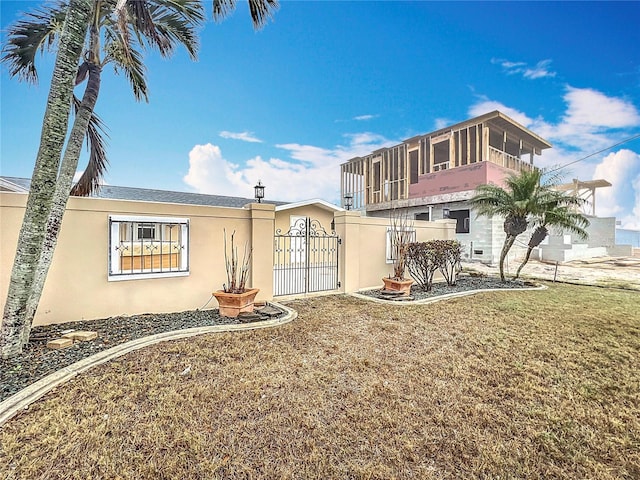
<point>326,81</point>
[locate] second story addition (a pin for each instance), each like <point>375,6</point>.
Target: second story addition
<point>451,160</point>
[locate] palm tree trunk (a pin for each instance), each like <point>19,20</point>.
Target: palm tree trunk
<point>524,262</point>
<point>537,237</point>
<point>43,181</point>
<point>61,196</point>
<point>506,246</point>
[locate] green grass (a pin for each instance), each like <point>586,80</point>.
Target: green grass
<point>542,384</point>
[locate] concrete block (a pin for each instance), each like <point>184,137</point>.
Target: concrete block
<point>59,343</point>
<point>81,335</point>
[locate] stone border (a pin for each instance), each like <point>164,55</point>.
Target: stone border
<point>28,395</point>
<point>440,298</point>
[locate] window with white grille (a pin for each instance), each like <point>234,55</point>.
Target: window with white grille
<point>148,247</point>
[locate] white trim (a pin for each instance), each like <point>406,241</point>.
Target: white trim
<point>144,276</point>
<point>12,187</point>
<point>114,242</point>
<point>316,201</point>
<point>145,219</point>
<point>389,243</point>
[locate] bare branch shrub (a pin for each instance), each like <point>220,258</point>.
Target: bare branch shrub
<point>422,262</point>
<point>402,233</point>
<point>424,258</point>
<point>450,253</point>
<point>237,273</point>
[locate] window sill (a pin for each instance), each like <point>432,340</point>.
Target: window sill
<point>145,276</point>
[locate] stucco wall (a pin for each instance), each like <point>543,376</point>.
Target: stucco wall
<point>365,259</point>
<point>78,285</point>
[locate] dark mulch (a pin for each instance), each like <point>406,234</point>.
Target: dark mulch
<point>38,361</point>
<point>464,283</point>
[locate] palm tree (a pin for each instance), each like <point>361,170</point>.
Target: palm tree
<point>558,211</point>
<point>125,27</point>
<point>54,129</point>
<point>521,198</point>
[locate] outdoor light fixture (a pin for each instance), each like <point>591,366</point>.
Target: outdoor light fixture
<point>259,188</point>
<point>348,201</point>
<point>445,213</point>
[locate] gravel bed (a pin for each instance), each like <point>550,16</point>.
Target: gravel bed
<point>464,283</point>
<point>38,361</point>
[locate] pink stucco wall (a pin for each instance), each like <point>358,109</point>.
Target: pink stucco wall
<point>458,179</point>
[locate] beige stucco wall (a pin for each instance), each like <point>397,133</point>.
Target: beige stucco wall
<point>363,253</point>
<point>78,286</point>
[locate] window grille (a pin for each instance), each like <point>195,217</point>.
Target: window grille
<point>148,247</point>
<point>390,251</point>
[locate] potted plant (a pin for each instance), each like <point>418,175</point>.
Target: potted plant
<point>235,298</point>
<point>402,235</point>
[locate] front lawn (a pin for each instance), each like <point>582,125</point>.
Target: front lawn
<point>524,384</point>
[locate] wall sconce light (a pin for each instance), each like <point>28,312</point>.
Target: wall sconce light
<point>445,213</point>
<point>259,191</point>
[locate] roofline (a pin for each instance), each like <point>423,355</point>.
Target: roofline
<point>314,201</point>
<point>456,126</point>
<point>12,187</point>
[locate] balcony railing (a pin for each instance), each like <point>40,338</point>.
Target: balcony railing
<point>508,161</point>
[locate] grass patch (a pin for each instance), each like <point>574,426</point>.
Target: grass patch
<point>538,384</point>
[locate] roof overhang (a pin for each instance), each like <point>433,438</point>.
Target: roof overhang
<point>313,202</point>
<point>7,186</point>
<point>580,185</point>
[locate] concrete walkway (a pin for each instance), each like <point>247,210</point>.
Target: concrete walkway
<point>25,397</point>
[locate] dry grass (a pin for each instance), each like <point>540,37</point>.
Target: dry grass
<point>500,385</point>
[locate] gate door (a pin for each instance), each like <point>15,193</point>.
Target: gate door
<point>305,259</point>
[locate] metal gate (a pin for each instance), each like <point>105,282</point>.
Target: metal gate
<point>305,259</point>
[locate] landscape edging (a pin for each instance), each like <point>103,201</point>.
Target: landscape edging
<point>25,397</point>
<point>440,298</point>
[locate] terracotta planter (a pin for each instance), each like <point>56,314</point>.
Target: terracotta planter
<point>233,304</point>
<point>394,285</point>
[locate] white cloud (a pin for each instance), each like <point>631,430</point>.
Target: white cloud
<point>484,105</point>
<point>622,170</point>
<point>210,172</point>
<point>594,110</point>
<point>365,117</point>
<point>310,171</point>
<point>592,121</point>
<point>244,136</point>
<point>540,70</point>
<point>442,123</point>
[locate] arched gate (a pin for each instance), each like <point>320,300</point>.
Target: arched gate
<point>305,259</point>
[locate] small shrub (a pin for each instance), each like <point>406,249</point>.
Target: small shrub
<point>424,258</point>
<point>449,253</point>
<point>422,263</point>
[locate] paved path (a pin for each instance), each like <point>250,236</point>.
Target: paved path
<point>601,271</point>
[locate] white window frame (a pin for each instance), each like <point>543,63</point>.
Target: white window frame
<point>141,227</point>
<point>389,243</point>
<point>114,242</point>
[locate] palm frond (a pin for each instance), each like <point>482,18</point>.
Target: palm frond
<point>143,25</point>
<point>175,22</point>
<point>91,178</point>
<point>261,10</point>
<point>37,31</point>
<point>128,60</point>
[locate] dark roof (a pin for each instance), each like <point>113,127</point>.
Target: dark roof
<point>163,196</point>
